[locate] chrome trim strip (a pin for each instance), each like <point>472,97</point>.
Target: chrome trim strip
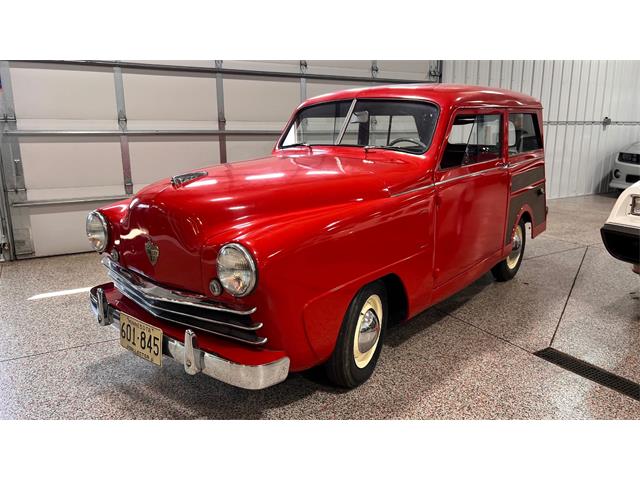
<point>345,125</point>
<point>156,292</point>
<point>533,186</point>
<point>179,180</point>
<point>520,162</point>
<point>152,309</point>
<point>413,190</point>
<point>250,377</point>
<point>257,342</point>
<point>474,174</point>
<point>504,166</point>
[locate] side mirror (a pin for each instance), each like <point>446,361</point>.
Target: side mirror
<point>360,117</point>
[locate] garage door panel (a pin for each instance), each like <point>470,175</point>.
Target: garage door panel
<point>264,100</point>
<point>239,150</point>
<point>156,158</point>
<point>55,163</point>
<point>57,230</point>
<point>320,88</point>
<point>63,93</point>
<point>151,97</point>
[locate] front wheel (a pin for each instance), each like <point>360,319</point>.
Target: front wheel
<point>507,269</point>
<point>360,339</point>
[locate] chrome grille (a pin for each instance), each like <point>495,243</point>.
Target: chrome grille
<point>186,309</point>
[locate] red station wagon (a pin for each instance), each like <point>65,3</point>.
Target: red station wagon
<point>375,204</point>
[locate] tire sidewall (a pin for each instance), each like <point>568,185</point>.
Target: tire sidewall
<point>501,271</point>
<point>354,375</point>
<point>514,270</point>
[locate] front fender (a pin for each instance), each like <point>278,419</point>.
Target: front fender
<point>311,267</point>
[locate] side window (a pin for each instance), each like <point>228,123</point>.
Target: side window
<point>524,134</point>
<point>473,139</point>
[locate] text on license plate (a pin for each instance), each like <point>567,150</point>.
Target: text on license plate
<point>141,338</point>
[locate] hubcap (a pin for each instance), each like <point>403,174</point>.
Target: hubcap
<point>368,331</point>
<point>516,248</point>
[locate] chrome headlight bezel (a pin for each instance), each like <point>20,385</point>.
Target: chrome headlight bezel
<point>105,230</point>
<point>251,269</point>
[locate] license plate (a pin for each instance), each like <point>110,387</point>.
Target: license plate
<point>141,338</point>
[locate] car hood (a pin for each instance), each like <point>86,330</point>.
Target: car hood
<point>181,220</point>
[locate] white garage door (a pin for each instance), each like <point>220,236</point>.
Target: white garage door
<point>66,153</point>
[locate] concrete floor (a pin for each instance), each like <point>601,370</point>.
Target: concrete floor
<point>469,357</point>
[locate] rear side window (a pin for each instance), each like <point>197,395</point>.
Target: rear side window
<point>473,139</point>
<point>524,134</point>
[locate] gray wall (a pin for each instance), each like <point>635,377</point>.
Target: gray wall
<point>576,96</point>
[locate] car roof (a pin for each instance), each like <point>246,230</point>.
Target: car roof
<point>444,94</point>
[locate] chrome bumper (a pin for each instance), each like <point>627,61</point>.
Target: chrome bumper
<point>251,377</point>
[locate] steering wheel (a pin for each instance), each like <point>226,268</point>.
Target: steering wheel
<point>415,141</point>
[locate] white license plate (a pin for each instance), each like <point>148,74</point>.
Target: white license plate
<point>141,338</point>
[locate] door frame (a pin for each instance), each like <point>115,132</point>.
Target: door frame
<point>443,176</point>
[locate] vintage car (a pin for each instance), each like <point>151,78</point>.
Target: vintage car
<point>626,168</point>
<point>375,204</point>
<point>621,231</point>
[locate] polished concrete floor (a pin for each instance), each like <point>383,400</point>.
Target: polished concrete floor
<point>469,357</point>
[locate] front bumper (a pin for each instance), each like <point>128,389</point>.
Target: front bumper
<point>628,174</point>
<point>195,360</point>
<point>622,242</point>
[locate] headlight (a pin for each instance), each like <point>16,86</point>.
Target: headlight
<point>635,205</point>
<point>236,270</point>
<point>97,231</point>
<point>629,158</point>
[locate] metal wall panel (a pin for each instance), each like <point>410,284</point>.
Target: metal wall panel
<point>573,93</point>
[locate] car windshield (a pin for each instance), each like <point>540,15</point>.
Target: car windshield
<point>391,124</point>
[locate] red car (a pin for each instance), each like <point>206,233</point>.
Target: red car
<point>374,205</point>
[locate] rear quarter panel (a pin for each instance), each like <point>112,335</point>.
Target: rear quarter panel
<point>527,188</point>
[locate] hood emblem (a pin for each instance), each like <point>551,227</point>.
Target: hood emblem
<point>179,180</point>
<point>153,252</point>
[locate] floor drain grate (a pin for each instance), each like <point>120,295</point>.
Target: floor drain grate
<point>586,370</point>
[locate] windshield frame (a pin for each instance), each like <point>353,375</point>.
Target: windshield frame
<point>345,124</point>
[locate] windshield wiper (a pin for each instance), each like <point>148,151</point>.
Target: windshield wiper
<point>297,145</point>
<point>382,147</point>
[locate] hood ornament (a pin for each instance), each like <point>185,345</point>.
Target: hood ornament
<point>179,180</point>
<point>153,252</point>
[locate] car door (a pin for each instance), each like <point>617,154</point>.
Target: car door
<point>472,185</point>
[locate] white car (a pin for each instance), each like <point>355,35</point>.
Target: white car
<point>626,169</point>
<point>621,231</point>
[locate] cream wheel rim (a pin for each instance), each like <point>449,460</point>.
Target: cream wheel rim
<point>516,248</point>
<point>368,329</point>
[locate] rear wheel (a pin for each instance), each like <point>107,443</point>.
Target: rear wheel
<point>360,339</point>
<point>507,269</point>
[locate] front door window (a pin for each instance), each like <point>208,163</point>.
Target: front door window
<point>474,138</point>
